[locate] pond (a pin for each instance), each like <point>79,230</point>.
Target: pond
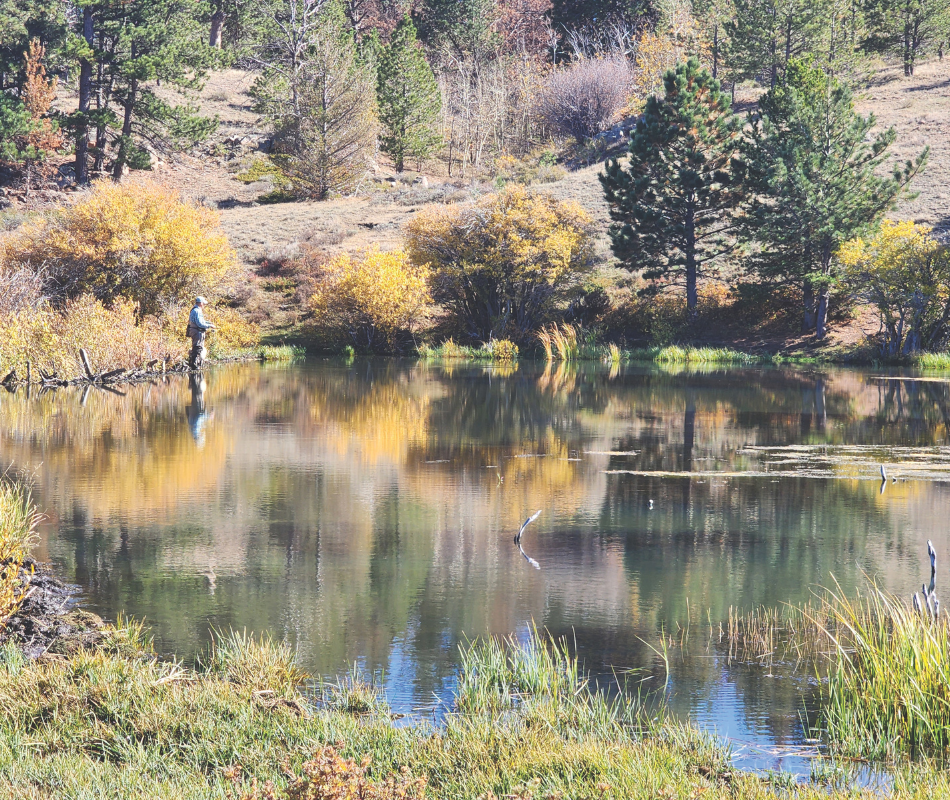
<point>365,513</point>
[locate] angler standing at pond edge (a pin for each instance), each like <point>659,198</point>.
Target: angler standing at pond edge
<point>198,326</point>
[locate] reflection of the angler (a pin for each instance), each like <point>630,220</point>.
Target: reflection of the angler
<point>198,414</point>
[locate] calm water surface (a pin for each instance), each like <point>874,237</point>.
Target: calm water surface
<point>365,512</point>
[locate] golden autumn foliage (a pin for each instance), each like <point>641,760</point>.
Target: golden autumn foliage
<point>678,36</point>
<point>114,337</point>
<point>137,241</point>
<point>499,265</point>
<point>372,301</point>
<point>905,273</point>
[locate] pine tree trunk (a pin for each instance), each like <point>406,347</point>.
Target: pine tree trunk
<point>123,157</point>
<point>716,51</point>
<point>908,68</point>
<point>85,97</point>
<point>217,27</point>
<point>100,158</point>
<point>788,40</point>
<point>773,77</point>
<point>808,308</point>
<point>820,323</point>
<point>691,294</point>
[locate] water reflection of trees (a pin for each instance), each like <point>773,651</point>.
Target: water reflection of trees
<point>365,512</point>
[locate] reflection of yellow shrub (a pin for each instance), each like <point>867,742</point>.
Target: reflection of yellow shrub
<point>139,241</point>
<point>51,339</point>
<point>372,300</point>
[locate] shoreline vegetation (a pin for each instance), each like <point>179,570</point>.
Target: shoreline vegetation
<point>96,713</point>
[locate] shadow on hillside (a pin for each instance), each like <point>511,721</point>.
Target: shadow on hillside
<point>930,86</point>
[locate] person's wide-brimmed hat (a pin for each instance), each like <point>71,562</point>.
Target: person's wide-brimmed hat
<point>199,300</point>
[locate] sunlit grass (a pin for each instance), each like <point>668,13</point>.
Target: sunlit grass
<point>282,352</point>
<point>18,521</point>
<point>932,361</point>
<point>889,693</point>
<point>120,723</point>
<point>887,668</point>
<point>524,723</point>
<point>449,350</point>
<point>675,354</point>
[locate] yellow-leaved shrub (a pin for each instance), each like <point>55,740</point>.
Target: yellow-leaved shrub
<point>233,333</point>
<point>501,264</point>
<point>905,273</point>
<point>114,337</point>
<point>372,301</point>
<point>137,241</point>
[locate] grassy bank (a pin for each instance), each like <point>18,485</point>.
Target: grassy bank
<point>118,722</point>
<point>579,349</point>
<point>18,521</point>
<point>889,692</point>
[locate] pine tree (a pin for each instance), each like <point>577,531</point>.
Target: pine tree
<point>408,96</point>
<point>458,26</point>
<point>124,50</point>
<point>672,202</point>
<point>765,34</point>
<point>319,96</point>
<point>906,27</point>
<point>814,172</point>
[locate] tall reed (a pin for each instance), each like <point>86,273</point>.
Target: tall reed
<point>18,522</point>
<point>889,691</point>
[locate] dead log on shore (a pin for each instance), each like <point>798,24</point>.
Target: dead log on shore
<point>84,357</point>
<point>155,368</point>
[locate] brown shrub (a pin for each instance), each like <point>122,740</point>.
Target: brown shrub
<point>584,98</point>
<point>329,776</point>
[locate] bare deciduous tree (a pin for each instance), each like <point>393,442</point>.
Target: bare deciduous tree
<point>583,99</point>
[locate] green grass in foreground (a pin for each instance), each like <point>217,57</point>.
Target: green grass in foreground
<point>120,723</point>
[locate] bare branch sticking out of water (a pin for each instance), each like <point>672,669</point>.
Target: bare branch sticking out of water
<point>526,523</point>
